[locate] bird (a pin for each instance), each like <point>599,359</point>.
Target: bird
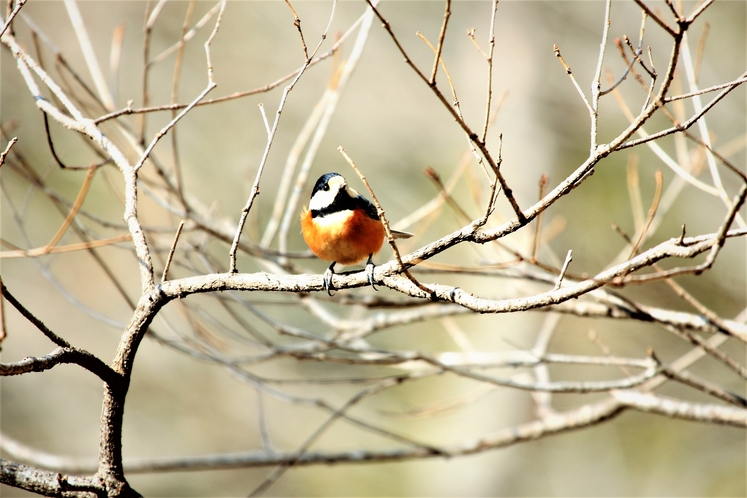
<point>342,226</point>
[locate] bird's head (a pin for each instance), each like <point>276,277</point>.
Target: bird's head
<point>328,188</point>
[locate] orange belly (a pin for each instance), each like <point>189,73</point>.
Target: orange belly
<point>345,239</point>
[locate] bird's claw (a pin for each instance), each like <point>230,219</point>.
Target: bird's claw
<point>327,277</point>
<point>370,272</point>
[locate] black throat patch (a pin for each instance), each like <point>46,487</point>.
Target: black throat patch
<point>343,202</point>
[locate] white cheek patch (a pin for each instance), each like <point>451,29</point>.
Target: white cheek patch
<point>332,220</point>
<point>322,199</point>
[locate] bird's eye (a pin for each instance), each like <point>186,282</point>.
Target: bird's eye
<point>325,187</point>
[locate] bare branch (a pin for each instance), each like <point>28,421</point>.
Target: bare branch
<point>568,259</point>
<point>699,10</point>
<point>13,14</point>
<point>171,251</point>
<point>64,355</point>
<point>297,24</point>
<point>86,46</point>
<point>270,139</point>
<point>45,482</point>
<point>699,412</point>
<point>470,134</point>
<point>5,152</point>
<point>489,59</point>
<point>596,85</point>
<point>705,386</point>
<point>384,221</point>
<point>173,122</point>
<point>569,72</point>
<point>656,18</point>
<point>441,36</point>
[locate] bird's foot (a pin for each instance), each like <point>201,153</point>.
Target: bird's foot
<point>370,272</point>
<point>327,276</point>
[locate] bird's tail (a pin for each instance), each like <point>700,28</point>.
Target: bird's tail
<point>401,235</point>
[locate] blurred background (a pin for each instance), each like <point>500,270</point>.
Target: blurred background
<point>392,125</point>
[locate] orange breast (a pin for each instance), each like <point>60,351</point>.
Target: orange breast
<point>347,237</point>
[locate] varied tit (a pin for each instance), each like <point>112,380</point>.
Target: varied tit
<point>342,226</point>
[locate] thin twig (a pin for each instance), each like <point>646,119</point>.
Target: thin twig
<point>569,72</point>
<point>696,13</point>
<point>184,39</point>
<point>270,138</point>
<point>636,57</point>
<point>261,107</point>
<point>457,106</point>
<point>489,60</point>
<point>57,158</point>
<point>115,59</point>
<point>211,84</point>
<point>5,152</point>
<point>433,175</point>
<point>596,85</point>
<point>713,88</point>
<point>3,328</point>
<point>297,24</point>
<point>702,124</point>
<point>151,16</point>
<point>104,92</point>
<point>657,149</point>
<point>705,386</point>
<point>593,337</point>
<point>711,351</point>
<point>656,18</point>
<point>634,193</point>
<point>236,95</point>
<point>471,35</point>
<point>672,8</point>
<point>43,251</point>
<point>384,221</point>
<point>622,77</point>
<point>736,205</point>
<point>59,341</point>
<point>568,259</point>
<point>13,14</point>
<point>171,251</point>
<point>538,224</point>
<point>178,183</point>
<point>73,211</point>
<point>543,400</point>
<point>728,88</point>
<point>357,398</point>
<point>700,308</point>
<point>318,124</point>
<point>76,121</point>
<point>651,214</point>
<point>473,137</point>
<point>440,46</point>
<point>171,124</point>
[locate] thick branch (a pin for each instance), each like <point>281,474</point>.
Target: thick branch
<point>681,248</point>
<point>46,482</point>
<point>60,356</point>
